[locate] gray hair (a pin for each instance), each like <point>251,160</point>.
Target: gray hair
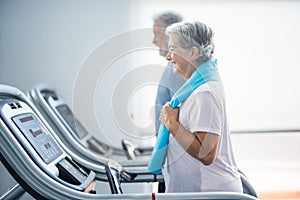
<point>194,34</point>
<point>168,17</point>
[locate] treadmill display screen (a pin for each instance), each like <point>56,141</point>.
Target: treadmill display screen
<point>69,117</point>
<point>38,137</point>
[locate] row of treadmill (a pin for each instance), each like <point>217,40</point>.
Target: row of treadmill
<point>51,155</point>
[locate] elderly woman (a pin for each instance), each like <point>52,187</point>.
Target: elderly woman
<point>199,154</point>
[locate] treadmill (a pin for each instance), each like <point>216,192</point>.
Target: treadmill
<point>81,142</point>
<point>79,153</point>
<point>45,168</point>
<point>41,95</point>
<point>71,130</point>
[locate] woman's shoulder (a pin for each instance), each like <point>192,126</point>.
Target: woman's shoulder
<point>208,87</point>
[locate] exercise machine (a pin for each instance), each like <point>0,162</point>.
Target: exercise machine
<point>71,130</point>
<point>45,168</point>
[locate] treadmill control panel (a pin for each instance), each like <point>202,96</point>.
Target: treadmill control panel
<point>38,137</point>
<point>39,143</point>
<point>72,121</point>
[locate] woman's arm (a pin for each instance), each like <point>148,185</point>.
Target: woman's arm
<point>201,145</point>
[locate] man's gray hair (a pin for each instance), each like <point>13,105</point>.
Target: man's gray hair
<point>194,34</point>
<point>168,17</point>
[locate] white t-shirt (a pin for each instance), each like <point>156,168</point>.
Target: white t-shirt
<point>204,110</point>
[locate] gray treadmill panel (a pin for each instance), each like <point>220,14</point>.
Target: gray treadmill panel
<point>69,117</point>
<point>38,137</point>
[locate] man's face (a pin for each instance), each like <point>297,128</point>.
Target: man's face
<point>160,39</point>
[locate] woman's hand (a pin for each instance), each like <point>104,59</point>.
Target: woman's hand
<point>169,118</point>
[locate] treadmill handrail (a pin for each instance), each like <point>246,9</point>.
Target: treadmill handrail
<point>14,192</point>
<point>205,195</point>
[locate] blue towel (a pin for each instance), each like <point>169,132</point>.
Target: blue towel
<point>205,72</point>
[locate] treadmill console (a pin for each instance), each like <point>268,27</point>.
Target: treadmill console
<point>41,146</point>
<point>74,126</point>
<point>72,121</point>
<point>38,137</point>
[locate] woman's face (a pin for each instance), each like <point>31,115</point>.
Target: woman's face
<point>181,58</point>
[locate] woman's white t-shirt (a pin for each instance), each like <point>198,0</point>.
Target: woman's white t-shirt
<point>204,110</point>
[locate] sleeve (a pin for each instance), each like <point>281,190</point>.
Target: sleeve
<point>168,85</point>
<point>163,95</point>
<point>206,113</point>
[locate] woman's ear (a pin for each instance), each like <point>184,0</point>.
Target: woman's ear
<point>195,52</point>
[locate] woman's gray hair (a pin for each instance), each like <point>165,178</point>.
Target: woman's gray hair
<point>194,34</point>
<point>167,17</point>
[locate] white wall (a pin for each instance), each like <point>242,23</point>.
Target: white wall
<point>47,41</point>
<point>271,161</point>
<point>257,46</point>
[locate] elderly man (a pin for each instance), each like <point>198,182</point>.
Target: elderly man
<point>170,82</point>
